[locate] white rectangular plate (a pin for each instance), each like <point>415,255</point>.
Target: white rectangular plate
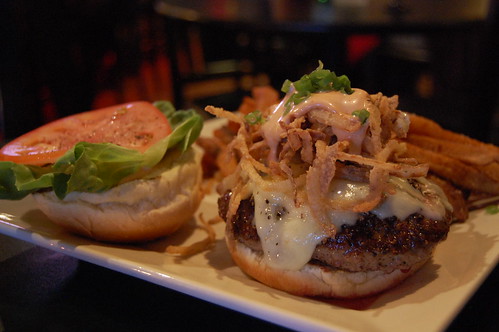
<point>427,301</point>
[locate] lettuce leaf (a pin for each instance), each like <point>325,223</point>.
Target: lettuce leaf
<point>17,181</point>
<point>92,167</point>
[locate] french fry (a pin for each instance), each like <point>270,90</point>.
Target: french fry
<point>491,170</point>
<point>454,170</point>
<point>475,154</point>
<point>426,127</point>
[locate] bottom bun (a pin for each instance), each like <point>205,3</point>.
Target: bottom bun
<point>315,280</point>
<point>138,210</point>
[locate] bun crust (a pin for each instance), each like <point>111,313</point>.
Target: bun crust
<point>135,211</point>
<point>315,280</point>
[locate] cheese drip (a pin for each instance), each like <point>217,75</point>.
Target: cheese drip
<point>431,202</point>
<point>289,234</point>
<point>343,191</point>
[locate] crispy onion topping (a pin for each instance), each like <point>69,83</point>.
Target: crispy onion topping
<point>311,145</point>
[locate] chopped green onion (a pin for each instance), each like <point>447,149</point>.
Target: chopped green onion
<point>492,209</point>
<point>362,114</point>
<point>254,118</point>
<point>319,80</point>
<point>286,86</point>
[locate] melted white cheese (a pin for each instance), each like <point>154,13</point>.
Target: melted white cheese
<point>408,200</point>
<point>343,191</point>
<point>349,191</point>
<point>289,234</point>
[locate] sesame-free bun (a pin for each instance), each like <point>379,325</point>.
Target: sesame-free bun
<point>138,210</point>
<point>315,280</point>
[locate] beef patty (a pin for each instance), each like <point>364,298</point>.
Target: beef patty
<point>370,244</point>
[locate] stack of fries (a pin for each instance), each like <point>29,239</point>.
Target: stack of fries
<point>467,164</point>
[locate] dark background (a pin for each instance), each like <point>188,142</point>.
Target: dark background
<point>61,57</point>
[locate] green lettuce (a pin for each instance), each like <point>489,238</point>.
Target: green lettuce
<point>96,167</point>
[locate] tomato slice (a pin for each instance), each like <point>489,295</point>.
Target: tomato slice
<point>136,125</point>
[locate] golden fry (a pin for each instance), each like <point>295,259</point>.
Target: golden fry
<point>469,153</point>
<point>424,126</point>
<point>456,171</point>
<point>491,170</point>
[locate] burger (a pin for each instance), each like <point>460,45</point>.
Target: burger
<point>125,173</point>
<point>324,201</point>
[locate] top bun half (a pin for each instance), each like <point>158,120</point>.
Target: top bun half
<point>139,210</point>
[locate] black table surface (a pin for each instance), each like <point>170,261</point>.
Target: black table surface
<point>41,290</point>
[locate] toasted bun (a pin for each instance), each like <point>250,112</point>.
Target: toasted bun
<point>315,280</point>
<point>138,210</point>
